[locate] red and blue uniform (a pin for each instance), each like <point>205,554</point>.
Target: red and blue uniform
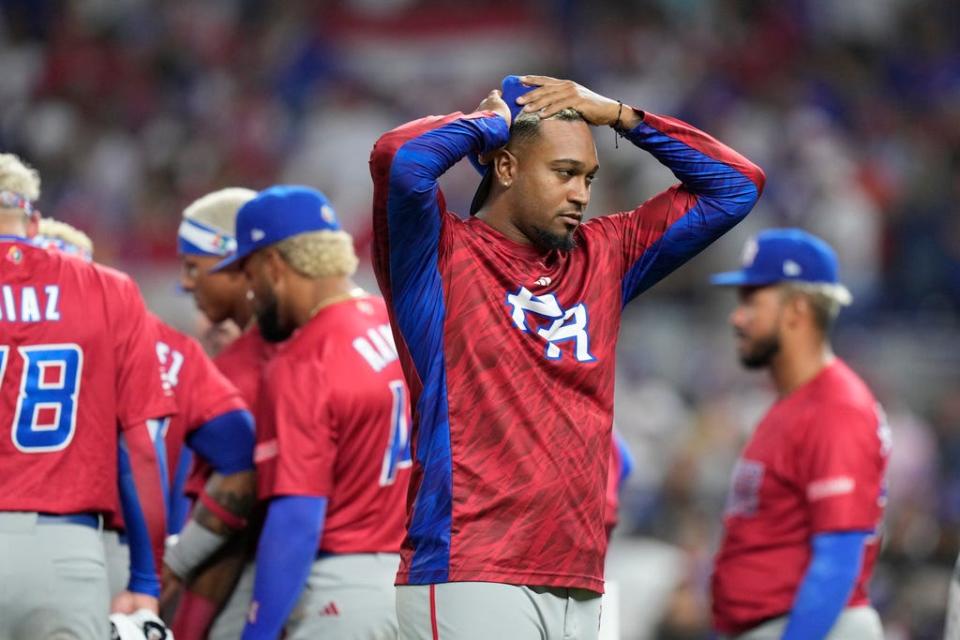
<point>77,356</point>
<point>242,363</point>
<point>814,465</point>
<point>509,350</point>
<point>347,438</point>
<point>211,416</point>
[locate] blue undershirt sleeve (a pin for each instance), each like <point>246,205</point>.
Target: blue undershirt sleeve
<point>827,584</point>
<point>285,554</point>
<point>225,442</point>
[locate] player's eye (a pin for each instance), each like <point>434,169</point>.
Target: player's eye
<point>566,173</point>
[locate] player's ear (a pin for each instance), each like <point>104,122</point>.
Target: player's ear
<point>33,224</point>
<point>505,166</point>
<point>796,307</point>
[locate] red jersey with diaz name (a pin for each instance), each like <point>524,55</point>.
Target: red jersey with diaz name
<point>334,422</point>
<point>241,362</point>
<point>509,350</point>
<point>77,354</point>
<point>815,463</point>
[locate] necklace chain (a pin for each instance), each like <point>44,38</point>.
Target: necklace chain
<point>355,292</point>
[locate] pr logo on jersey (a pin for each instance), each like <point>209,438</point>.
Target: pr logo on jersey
<point>568,325</point>
<point>330,610</point>
<point>744,495</point>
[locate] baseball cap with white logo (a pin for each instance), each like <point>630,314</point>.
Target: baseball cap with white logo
<point>275,214</point>
<point>786,255</point>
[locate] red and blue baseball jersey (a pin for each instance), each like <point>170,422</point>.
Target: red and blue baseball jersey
<point>335,422</point>
<point>77,355</point>
<point>241,362</point>
<point>202,392</point>
<point>815,464</point>
<point>621,465</point>
<point>509,350</point>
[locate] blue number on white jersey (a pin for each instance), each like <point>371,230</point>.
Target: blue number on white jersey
<point>46,415</point>
<point>397,455</point>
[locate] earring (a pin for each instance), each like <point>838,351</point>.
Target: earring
<point>506,184</point>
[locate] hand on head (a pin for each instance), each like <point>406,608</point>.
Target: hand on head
<point>552,95</point>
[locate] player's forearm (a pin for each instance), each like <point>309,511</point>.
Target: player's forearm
<point>706,167</point>
<point>142,500</point>
<point>226,502</point>
<point>409,159</point>
<point>288,546</point>
<point>827,584</point>
<point>221,511</point>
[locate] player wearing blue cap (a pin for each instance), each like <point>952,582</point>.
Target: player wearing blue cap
<point>332,449</point>
<point>807,497</point>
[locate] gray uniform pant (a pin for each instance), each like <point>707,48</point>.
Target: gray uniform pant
<point>951,629</point>
<point>53,581</point>
<point>485,610</point>
<point>117,555</point>
<point>348,597</point>
<point>854,623</point>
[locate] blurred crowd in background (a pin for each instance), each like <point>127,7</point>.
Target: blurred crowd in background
<point>130,109</point>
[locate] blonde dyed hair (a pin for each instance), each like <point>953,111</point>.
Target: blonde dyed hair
<point>19,177</point>
<point>826,300</point>
<point>65,233</point>
<point>219,208</point>
<point>319,254</point>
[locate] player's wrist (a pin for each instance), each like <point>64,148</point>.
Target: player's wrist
<point>144,584</point>
<point>194,545</point>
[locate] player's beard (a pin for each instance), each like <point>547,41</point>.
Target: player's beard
<point>761,352</point>
<point>268,319</point>
<point>547,241</point>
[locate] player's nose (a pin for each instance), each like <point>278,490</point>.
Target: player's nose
<point>579,193</point>
<point>187,282</point>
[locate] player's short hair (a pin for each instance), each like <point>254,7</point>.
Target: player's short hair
<point>319,254</point>
<point>64,236</point>
<point>219,208</point>
<point>524,128</point>
<point>19,178</point>
<point>527,125</point>
<point>826,300</point>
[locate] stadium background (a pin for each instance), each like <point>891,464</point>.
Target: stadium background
<point>132,108</point>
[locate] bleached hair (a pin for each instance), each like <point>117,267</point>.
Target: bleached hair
<point>19,177</point>
<point>826,300</point>
<point>319,254</point>
<point>66,233</point>
<point>219,208</point>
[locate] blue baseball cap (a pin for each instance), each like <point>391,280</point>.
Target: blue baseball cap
<point>511,88</point>
<point>275,214</point>
<point>786,255</point>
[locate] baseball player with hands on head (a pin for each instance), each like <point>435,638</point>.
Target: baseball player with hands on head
<point>506,325</point>
<point>79,381</point>
<point>333,452</point>
<point>808,492</point>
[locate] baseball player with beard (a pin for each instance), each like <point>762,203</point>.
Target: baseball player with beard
<point>333,452</point>
<point>802,523</point>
